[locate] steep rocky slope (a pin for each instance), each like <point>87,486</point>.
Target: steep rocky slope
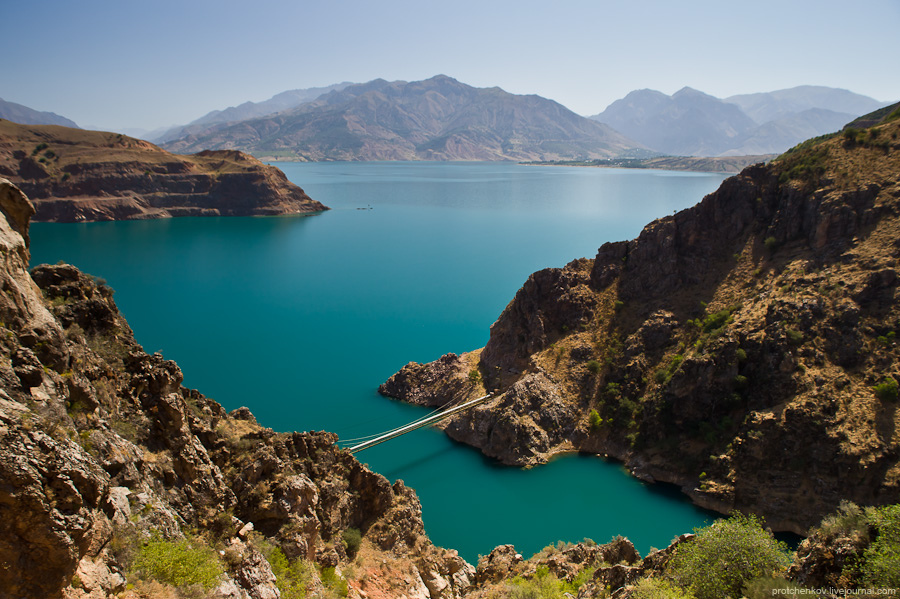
<point>744,348</point>
<point>76,175</point>
<point>436,119</point>
<point>103,450</point>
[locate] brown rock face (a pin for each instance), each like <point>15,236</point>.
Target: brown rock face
<point>744,348</point>
<point>101,448</point>
<point>73,175</point>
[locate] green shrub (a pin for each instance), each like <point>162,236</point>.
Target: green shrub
<point>724,556</point>
<point>474,376</point>
<point>612,392</point>
<point>594,419</point>
<point>334,583</point>
<point>291,578</point>
<point>658,588</point>
<point>716,321</point>
<point>771,243</point>
<point>741,355</point>
<point>851,136</point>
<point>543,585</point>
<point>794,337</point>
<point>849,520</point>
<point>881,560</point>
<point>594,367</point>
<point>887,390</point>
<point>352,540</point>
<point>179,563</point>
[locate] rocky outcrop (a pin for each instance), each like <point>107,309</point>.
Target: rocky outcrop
<point>102,449</point>
<point>73,175</point>
<point>744,349</point>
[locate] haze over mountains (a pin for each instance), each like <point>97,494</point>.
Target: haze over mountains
<point>28,116</point>
<point>443,119</point>
<point>436,119</point>
<point>249,110</point>
<point>692,123</point>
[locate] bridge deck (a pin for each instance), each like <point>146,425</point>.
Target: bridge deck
<point>420,423</point>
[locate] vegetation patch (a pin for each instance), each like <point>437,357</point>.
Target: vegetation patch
<point>887,390</point>
<point>179,563</point>
<point>543,585</point>
<point>726,555</point>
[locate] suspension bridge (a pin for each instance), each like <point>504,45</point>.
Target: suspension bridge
<point>436,416</point>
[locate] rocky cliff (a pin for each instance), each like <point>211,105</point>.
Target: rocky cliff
<point>73,175</point>
<point>104,453</point>
<point>744,348</point>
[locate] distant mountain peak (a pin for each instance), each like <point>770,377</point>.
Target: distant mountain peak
<point>439,118</point>
<point>693,123</point>
<point>24,115</point>
<point>690,91</point>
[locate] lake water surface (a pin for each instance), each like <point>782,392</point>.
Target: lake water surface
<point>301,318</point>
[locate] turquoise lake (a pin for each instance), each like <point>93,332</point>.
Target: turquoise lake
<point>301,318</point>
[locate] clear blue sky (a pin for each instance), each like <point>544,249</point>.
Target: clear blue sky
<point>122,64</point>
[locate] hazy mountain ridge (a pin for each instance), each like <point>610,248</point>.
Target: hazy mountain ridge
<point>248,110</point>
<point>770,106</point>
<point>688,123</point>
<point>24,115</point>
<point>436,119</point>
<point>691,123</point>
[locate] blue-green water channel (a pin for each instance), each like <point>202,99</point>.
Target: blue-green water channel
<point>301,318</point>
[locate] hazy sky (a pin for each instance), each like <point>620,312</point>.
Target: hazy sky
<point>121,64</point>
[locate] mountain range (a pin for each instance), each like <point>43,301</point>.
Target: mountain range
<point>443,119</point>
<point>29,116</point>
<point>436,119</point>
<point>248,110</point>
<point>692,123</point>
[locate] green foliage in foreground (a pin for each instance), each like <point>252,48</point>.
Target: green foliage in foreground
<point>334,583</point>
<point>726,555</point>
<point>879,565</point>
<point>658,588</point>
<point>544,585</point>
<point>179,563</point>
<point>291,578</point>
<point>881,561</point>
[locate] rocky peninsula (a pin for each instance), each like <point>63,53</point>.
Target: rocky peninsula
<point>73,175</point>
<point>744,349</point>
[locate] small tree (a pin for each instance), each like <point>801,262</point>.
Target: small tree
<point>726,555</point>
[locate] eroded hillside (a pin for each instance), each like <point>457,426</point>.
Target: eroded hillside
<point>72,175</point>
<point>744,348</point>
